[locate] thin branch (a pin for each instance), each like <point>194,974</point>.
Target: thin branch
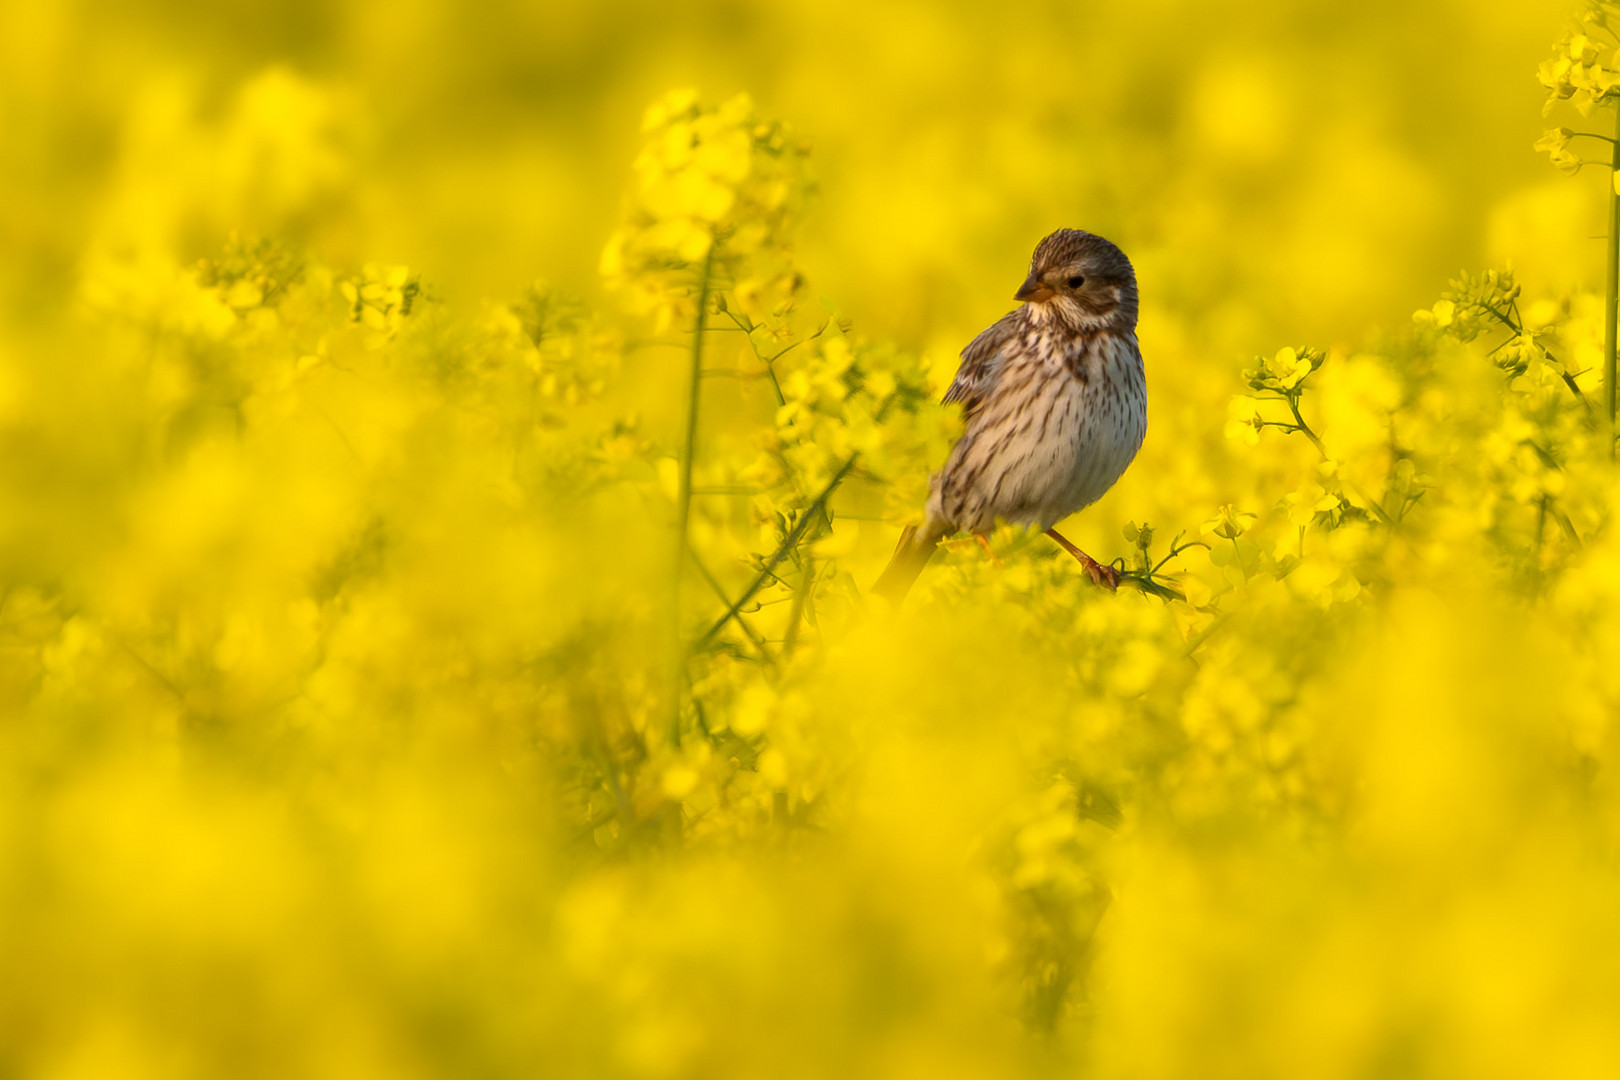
<point>752,634</point>
<point>683,505</point>
<point>801,596</point>
<point>789,542</point>
<point>683,499</point>
<point>1611,293</point>
<point>151,668</point>
<point>1204,634</point>
<point>1517,326</point>
<point>1305,429</point>
<point>1146,583</point>
<point>1176,548</point>
<point>1567,525</point>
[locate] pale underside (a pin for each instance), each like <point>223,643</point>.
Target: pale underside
<point>1052,420</point>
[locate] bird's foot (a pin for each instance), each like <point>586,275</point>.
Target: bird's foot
<point>1106,576</point>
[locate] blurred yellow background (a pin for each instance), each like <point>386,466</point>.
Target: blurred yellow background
<point>336,724</point>
<point>1279,171</point>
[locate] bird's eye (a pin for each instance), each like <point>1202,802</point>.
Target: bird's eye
<point>1076,281</point>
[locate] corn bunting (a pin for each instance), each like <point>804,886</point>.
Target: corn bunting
<point>1054,403</point>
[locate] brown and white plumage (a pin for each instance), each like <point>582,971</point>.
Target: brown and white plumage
<point>1054,404</point>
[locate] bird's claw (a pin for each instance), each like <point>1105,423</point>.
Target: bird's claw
<point>1106,576</point>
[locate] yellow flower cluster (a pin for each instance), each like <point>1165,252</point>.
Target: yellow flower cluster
<point>363,718</point>
<point>716,189</point>
<point>857,401</point>
<point>1555,141</point>
<point>381,297</point>
<point>1574,73</point>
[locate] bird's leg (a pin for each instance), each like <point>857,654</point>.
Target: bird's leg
<point>984,542</point>
<point>1106,576</point>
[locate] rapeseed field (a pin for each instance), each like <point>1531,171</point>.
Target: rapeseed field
<point>446,452</point>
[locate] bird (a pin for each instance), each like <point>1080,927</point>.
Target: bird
<point>1054,408</point>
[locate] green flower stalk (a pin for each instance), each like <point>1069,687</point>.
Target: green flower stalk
<point>1611,284</point>
<point>715,195</point>
<point>683,497</point>
<point>1577,73</point>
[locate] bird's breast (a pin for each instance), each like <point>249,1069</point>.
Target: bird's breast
<point>1060,426</point>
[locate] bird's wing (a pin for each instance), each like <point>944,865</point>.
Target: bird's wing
<point>982,363</point>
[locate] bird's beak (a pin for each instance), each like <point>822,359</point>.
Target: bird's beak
<point>1033,290</point>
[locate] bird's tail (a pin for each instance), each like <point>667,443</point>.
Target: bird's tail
<point>916,547</point>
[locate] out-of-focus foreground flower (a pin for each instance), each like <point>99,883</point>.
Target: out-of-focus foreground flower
<point>364,714</point>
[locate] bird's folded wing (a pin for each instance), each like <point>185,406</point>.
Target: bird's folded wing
<point>981,364</point>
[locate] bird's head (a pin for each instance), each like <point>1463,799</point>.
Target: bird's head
<point>1082,280</point>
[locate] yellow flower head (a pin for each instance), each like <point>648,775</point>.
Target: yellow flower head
<point>1228,523</point>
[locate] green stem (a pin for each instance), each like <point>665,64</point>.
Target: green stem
<point>1304,428</point>
<point>683,499</point>
<point>719,590</point>
<point>1377,508</point>
<point>789,542</point>
<point>1203,635</point>
<point>800,596</point>
<point>1239,552</point>
<point>1611,288</point>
